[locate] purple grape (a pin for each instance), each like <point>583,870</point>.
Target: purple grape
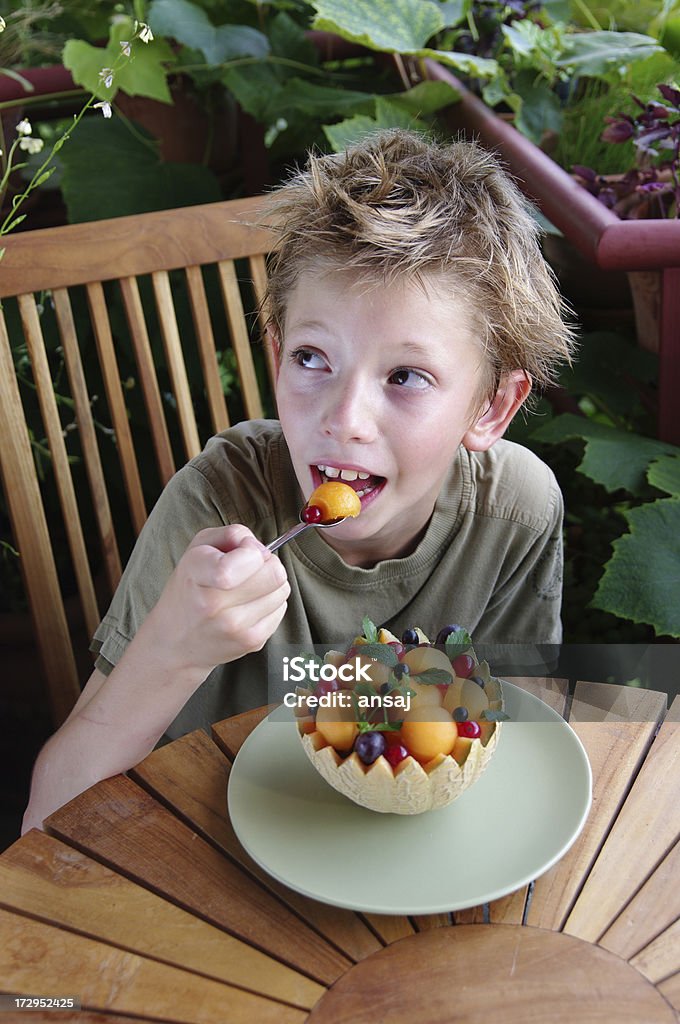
<point>369,746</point>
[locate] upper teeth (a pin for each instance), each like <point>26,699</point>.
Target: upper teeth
<point>345,474</point>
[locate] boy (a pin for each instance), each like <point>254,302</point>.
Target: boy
<point>410,312</point>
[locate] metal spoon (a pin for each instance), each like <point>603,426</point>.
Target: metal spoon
<point>300,528</point>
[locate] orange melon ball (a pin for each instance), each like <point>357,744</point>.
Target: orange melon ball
<point>420,659</point>
<point>423,694</point>
<point>337,726</point>
<point>335,499</point>
<point>427,731</point>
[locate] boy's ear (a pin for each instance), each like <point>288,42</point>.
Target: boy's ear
<point>495,420</point>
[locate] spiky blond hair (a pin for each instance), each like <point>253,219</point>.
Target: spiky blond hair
<point>396,206</point>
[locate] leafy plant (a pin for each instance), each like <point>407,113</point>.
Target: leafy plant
<point>625,515</point>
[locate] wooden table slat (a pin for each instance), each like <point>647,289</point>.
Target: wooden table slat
<point>78,1017</point>
<point>231,734</point>
<point>43,878</point>
<point>661,958</point>
<point>655,907</point>
<point>670,989</point>
<point>426,922</point>
<point>644,832</point>
<point>190,776</point>
<point>616,751</point>
<point>122,825</point>
<point>108,978</point>
<point>389,928</point>
<point>552,692</point>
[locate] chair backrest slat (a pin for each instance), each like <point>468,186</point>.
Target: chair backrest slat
<point>116,401</point>
<point>239,338</point>
<point>155,316</point>
<point>93,465</point>
<point>258,275</point>
<point>175,358</point>
<point>207,352</point>
<point>55,437</point>
<point>147,376</point>
<point>31,534</point>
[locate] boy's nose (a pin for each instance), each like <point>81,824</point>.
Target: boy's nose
<point>350,414</point>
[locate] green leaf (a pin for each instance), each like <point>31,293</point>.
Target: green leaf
<point>664,473</point>
<point>347,133</point>
<point>364,690</point>
<point>370,630</point>
<point>256,89</point>
<point>614,458</point>
<point>457,643</point>
<point>454,11</point>
<point>395,26</point>
<point>494,716</point>
<point>424,98</point>
<point>389,114</point>
<point>497,89</point>
<point>432,676</point>
<point>188,24</point>
<point>143,74</point>
<point>541,110</point>
<point>109,172</point>
<point>288,39</point>
<point>380,652</point>
<point>641,581</point>
<point>476,67</point>
<point>318,100</point>
<point>594,54</point>
<point>606,364</point>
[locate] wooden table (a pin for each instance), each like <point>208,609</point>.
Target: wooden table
<point>139,900</point>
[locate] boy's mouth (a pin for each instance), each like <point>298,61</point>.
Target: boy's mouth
<point>361,482</point>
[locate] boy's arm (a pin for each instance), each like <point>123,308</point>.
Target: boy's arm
<point>225,599</point>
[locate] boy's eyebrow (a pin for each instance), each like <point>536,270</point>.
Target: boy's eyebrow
<point>315,324</point>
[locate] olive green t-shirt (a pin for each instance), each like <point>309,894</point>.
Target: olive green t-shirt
<point>490,559</point>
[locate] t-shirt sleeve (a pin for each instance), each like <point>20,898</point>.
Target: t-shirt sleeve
<point>526,606</point>
<point>188,504</point>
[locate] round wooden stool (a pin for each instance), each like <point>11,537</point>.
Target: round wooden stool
<point>508,973</point>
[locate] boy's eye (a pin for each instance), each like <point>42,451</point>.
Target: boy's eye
<point>409,379</point>
<point>305,357</point>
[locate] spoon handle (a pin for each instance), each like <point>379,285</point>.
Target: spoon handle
<point>288,535</point>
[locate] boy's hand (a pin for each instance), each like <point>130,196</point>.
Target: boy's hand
<point>225,598</point>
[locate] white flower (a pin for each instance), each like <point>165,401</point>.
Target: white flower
<point>145,33</point>
<point>31,145</point>
<point>3,24</point>
<point>106,76</point>
<point>24,127</point>
<point>125,47</point>
<point>104,107</point>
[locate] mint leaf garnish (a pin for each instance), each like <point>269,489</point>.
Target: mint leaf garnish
<point>370,630</point>
<point>432,676</point>
<point>380,652</point>
<point>457,643</point>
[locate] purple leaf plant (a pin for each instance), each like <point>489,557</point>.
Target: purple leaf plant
<point>652,188</point>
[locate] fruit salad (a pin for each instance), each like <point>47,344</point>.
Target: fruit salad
<point>403,725</point>
<point>331,500</point>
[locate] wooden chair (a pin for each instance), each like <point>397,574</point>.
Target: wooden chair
<point>113,339</point>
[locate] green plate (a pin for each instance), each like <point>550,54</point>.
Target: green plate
<point>507,829</point>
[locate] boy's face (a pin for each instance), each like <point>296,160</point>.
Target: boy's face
<point>384,382</point>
